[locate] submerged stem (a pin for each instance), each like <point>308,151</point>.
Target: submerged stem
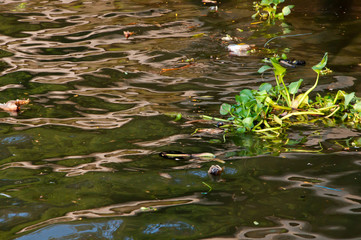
<point>301,113</point>
<point>326,108</point>
<point>338,108</point>
<point>288,99</point>
<point>205,117</point>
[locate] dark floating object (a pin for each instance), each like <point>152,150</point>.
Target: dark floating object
<point>215,170</point>
<point>220,124</point>
<point>292,63</point>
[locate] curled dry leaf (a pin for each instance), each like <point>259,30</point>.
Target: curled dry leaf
<point>13,105</point>
<point>127,34</point>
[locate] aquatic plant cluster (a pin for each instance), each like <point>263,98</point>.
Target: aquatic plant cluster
<point>267,10</point>
<point>272,109</point>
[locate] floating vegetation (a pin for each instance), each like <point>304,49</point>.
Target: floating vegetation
<point>270,110</point>
<point>267,10</point>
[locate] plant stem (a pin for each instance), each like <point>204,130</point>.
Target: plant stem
<point>267,129</point>
<point>325,108</point>
<point>338,93</point>
<point>205,117</point>
<point>274,105</point>
<point>258,124</point>
<point>338,108</point>
<point>288,99</point>
<point>278,84</point>
<point>301,113</point>
<point>310,90</point>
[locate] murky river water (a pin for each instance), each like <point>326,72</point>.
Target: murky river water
<point>81,161</point>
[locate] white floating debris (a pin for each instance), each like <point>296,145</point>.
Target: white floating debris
<point>5,195</point>
<point>239,49</point>
<point>227,38</point>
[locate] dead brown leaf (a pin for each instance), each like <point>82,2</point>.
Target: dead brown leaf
<point>127,34</point>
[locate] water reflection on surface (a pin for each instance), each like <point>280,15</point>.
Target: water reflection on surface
<point>81,161</point>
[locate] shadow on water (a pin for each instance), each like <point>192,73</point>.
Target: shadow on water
<point>81,161</point>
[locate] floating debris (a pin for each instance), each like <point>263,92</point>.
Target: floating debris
<point>165,175</point>
<point>227,38</point>
<point>198,35</point>
<point>210,188</point>
<point>148,209</point>
<point>328,188</point>
<point>13,105</point>
<point>209,2</point>
<point>127,34</point>
<point>5,195</point>
<point>213,9</point>
<point>292,63</point>
<point>179,155</point>
<point>208,130</point>
<point>178,68</point>
<point>176,155</point>
<point>175,115</point>
<point>239,49</point>
<point>215,170</point>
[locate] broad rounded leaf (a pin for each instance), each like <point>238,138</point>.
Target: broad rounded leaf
<point>265,87</point>
<point>357,106</point>
<point>248,122</point>
<point>266,2</point>
<point>225,109</point>
<point>278,69</point>
<point>294,86</point>
<point>260,99</point>
<point>264,68</point>
<point>241,130</point>
<point>348,98</point>
<point>287,10</point>
<point>317,68</point>
<point>246,92</point>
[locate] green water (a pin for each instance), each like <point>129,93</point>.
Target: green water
<point>81,161</point>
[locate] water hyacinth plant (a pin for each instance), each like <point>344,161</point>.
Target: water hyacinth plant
<point>272,109</point>
<point>267,10</point>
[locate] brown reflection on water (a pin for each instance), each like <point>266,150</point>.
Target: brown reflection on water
<point>322,187</point>
<point>93,121</point>
<point>286,229</point>
<point>97,165</point>
<point>88,76</point>
<point>117,210</point>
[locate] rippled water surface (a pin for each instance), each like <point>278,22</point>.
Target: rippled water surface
<point>81,161</point>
